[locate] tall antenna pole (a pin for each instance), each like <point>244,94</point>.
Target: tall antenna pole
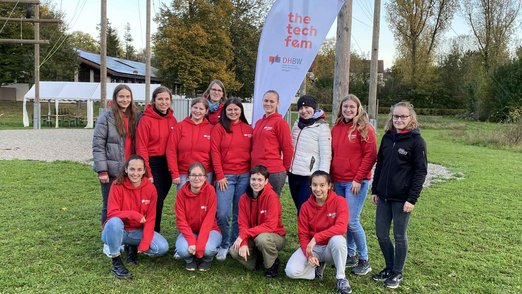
<point>341,85</point>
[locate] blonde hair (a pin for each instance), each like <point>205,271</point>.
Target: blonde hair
<point>361,121</point>
<point>413,124</point>
<point>206,94</point>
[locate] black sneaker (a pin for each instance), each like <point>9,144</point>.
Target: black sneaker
<point>382,275</point>
<point>362,268</point>
<point>351,261</point>
<point>132,254</point>
<point>319,270</point>
<point>204,266</point>
<point>191,266</point>
<point>273,271</point>
<point>393,281</point>
<point>343,286</point>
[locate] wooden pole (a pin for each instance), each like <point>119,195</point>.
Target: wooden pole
<point>103,62</point>
<point>36,106</point>
<point>341,85</point>
<point>147,55</point>
<point>372,99</point>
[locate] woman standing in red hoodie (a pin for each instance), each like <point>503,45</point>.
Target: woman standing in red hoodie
<point>216,96</point>
<point>189,143</point>
<point>231,143</point>
<point>270,140</point>
<point>151,143</point>
<point>354,151</point>
<point>322,224</point>
<point>195,210</point>
<point>131,217</point>
<point>261,231</point>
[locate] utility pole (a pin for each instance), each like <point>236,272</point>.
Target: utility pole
<point>36,20</point>
<point>103,61</point>
<point>147,55</point>
<point>372,99</point>
<point>341,85</point>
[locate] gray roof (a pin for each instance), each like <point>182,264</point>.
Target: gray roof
<point>123,66</point>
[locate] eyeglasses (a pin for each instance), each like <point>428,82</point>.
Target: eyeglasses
<point>216,90</point>
<point>401,117</point>
<point>197,176</point>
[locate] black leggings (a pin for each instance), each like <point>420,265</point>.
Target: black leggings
<point>162,182</point>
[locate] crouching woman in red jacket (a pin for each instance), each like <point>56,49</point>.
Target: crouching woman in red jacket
<point>261,231</point>
<point>195,208</point>
<point>131,217</point>
<point>321,230</point>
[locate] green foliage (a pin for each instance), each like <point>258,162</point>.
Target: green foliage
<point>84,41</point>
<point>114,48</point>
<point>130,51</point>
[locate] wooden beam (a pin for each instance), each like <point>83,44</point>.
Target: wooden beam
<point>21,1</point>
<point>41,20</point>
<point>23,41</point>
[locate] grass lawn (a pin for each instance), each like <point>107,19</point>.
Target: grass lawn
<point>465,235</point>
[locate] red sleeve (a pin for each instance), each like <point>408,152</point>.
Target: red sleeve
<point>341,222</point>
<point>243,216</point>
<point>150,221</point>
<point>369,156</point>
<point>131,218</point>
<point>215,151</point>
<point>142,142</point>
<point>285,141</point>
<point>208,222</point>
<point>172,151</point>
<point>271,219</point>
<point>181,219</point>
<point>303,231</point>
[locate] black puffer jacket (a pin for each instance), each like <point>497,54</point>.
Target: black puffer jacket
<point>401,167</point>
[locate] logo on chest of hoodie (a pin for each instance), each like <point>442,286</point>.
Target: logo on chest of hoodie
<point>353,137</point>
<point>204,207</point>
<point>332,214</point>
<point>206,137</point>
<point>263,211</point>
<point>268,128</point>
<point>402,151</point>
<point>248,135</point>
<point>145,201</point>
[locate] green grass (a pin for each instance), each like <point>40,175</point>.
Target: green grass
<point>465,235</point>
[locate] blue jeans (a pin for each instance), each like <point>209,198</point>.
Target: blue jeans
<point>356,237</point>
<point>386,212</point>
<point>211,248</point>
<point>277,180</point>
<point>184,178</point>
<point>237,185</point>
<point>300,189</point>
<point>115,235</point>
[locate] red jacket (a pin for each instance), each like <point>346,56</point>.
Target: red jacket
<point>131,204</point>
<point>196,214</point>
<point>352,158</point>
<point>322,222</point>
<point>271,138</point>
<point>152,134</point>
<point>213,117</point>
<point>190,142</point>
<point>231,151</point>
<point>259,215</point>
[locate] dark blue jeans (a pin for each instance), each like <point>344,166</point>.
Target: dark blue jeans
<point>105,189</point>
<point>388,211</point>
<point>300,189</point>
<point>162,182</point>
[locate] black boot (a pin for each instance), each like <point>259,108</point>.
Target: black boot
<point>273,271</point>
<point>119,269</point>
<point>132,254</point>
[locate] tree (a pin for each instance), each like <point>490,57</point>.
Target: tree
<point>84,41</point>
<point>193,45</point>
<point>130,51</point>
<point>492,23</point>
<point>113,41</point>
<point>418,26</point>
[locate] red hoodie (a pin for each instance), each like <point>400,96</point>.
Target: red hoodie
<point>231,151</point>
<point>213,117</point>
<point>131,204</point>
<point>152,134</point>
<point>259,215</point>
<point>190,142</point>
<point>322,222</point>
<point>352,158</point>
<point>271,138</point>
<point>196,214</point>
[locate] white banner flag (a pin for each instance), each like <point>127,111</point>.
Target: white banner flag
<point>292,35</point>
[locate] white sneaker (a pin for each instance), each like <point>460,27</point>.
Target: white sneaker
<point>106,250</point>
<point>222,254</point>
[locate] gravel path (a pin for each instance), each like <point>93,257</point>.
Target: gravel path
<point>75,145</point>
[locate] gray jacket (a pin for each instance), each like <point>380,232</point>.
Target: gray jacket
<point>108,149</point>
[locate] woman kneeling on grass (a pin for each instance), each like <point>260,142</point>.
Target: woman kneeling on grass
<point>131,217</point>
<point>195,209</point>
<point>261,231</point>
<point>322,225</point>
<point>399,175</point>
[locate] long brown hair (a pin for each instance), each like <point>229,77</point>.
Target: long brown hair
<point>130,112</point>
<point>413,124</point>
<point>361,121</point>
<point>123,172</point>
